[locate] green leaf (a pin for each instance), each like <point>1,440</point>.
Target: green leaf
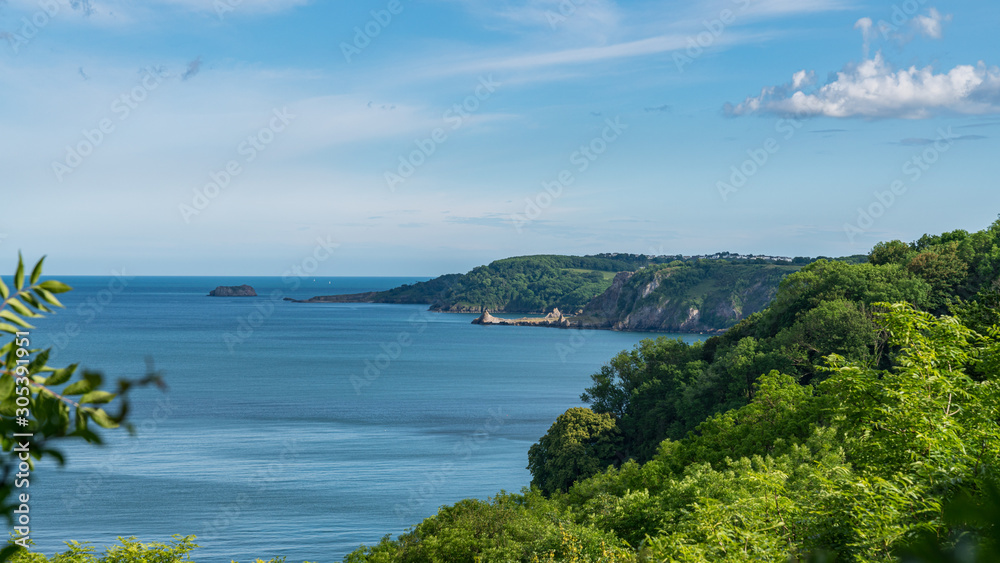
<point>48,297</point>
<point>37,271</point>
<point>37,364</point>
<point>21,309</point>
<point>61,376</point>
<point>79,387</point>
<point>8,407</point>
<point>4,291</point>
<point>14,319</point>
<point>19,275</point>
<point>34,302</point>
<point>97,397</point>
<point>6,386</point>
<point>55,286</point>
<point>4,327</point>
<point>102,418</point>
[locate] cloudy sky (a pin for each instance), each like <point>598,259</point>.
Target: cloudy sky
<point>430,136</point>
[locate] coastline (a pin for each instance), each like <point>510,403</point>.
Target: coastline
<point>554,319</point>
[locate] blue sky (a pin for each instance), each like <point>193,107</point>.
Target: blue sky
<point>430,136</point>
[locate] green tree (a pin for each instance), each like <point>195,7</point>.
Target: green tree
<point>579,444</point>
<point>891,252</point>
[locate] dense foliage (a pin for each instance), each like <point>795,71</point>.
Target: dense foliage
<point>860,465</point>
<point>852,420</point>
<point>129,550</point>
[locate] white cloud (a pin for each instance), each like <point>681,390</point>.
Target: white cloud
<point>930,25</point>
<point>874,90</point>
<point>865,25</point>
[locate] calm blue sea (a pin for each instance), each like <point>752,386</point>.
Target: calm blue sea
<point>297,430</point>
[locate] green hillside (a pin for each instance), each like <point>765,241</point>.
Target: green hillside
<point>724,290</point>
<point>852,420</point>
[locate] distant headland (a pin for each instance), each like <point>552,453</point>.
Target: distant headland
<point>626,292</point>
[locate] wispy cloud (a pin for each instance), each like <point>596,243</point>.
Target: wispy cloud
<point>931,24</point>
<point>585,55</point>
<point>922,141</point>
<point>665,108</point>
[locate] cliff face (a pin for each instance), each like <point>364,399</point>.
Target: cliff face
<point>683,299</point>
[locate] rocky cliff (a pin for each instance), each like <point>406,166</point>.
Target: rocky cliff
<point>683,299</point>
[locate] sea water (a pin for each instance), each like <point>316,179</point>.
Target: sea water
<point>298,430</point>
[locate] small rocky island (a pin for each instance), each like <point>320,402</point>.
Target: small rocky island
<point>233,291</point>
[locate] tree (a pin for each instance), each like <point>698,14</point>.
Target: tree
<point>579,444</point>
<point>891,252</point>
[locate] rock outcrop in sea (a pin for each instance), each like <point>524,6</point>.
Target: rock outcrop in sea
<point>233,291</point>
<point>553,319</point>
